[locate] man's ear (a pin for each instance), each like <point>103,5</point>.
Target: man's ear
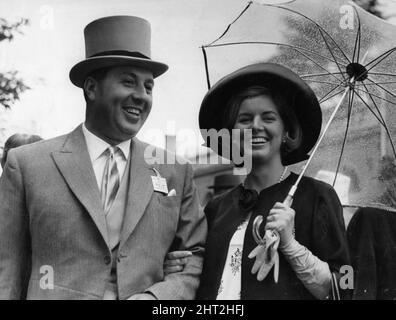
<point>90,88</point>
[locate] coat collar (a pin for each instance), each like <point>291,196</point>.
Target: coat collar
<point>74,163</point>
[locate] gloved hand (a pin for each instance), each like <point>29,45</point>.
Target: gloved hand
<point>281,219</point>
<point>267,256</point>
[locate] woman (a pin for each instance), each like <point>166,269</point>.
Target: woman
<point>284,117</point>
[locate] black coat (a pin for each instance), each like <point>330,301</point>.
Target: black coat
<point>372,240</point>
<point>319,226</point>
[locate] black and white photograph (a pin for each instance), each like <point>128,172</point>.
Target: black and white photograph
<point>198,150</point>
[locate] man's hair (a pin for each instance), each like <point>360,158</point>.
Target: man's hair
<point>98,75</point>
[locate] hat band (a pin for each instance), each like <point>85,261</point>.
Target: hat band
<point>120,53</point>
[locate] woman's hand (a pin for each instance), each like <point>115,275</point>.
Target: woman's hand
<point>281,219</point>
<point>175,261</point>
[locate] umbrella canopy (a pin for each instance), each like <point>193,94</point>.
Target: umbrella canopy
<point>348,58</point>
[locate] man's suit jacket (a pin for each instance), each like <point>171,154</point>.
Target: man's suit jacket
<point>51,215</point>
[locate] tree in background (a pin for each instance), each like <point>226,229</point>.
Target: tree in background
<point>387,165</point>
<point>11,86</point>
<point>370,6</point>
<point>387,174</point>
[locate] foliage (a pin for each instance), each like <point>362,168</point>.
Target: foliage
<point>8,30</point>
<point>387,175</point>
<point>370,6</point>
<point>11,86</point>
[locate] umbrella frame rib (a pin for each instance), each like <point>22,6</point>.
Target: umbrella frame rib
<point>290,195</point>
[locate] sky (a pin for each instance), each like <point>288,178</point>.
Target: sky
<point>53,42</point>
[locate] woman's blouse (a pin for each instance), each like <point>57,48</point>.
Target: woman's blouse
<point>230,284</point>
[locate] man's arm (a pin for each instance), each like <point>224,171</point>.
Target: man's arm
<point>14,232</point>
<point>191,236</point>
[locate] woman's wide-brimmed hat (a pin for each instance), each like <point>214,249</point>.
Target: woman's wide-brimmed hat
<point>116,41</point>
<point>274,77</point>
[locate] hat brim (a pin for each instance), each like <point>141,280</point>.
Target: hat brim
<point>82,69</point>
<point>274,77</point>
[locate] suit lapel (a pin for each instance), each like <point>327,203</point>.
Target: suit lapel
<point>74,163</point>
<point>140,189</point>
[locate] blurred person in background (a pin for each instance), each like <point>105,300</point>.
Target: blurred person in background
<point>17,140</point>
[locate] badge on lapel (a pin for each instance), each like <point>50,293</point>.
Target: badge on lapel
<point>159,183</point>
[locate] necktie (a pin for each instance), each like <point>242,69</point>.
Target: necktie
<point>111,179</point>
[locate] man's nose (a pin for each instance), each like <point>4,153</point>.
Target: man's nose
<point>140,94</point>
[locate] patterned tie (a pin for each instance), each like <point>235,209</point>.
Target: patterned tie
<point>111,179</point>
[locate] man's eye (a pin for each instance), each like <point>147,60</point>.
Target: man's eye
<point>128,82</point>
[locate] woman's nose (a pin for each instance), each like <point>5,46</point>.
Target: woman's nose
<point>257,123</point>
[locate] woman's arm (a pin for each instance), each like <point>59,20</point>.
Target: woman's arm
<point>329,241</point>
<point>314,273</point>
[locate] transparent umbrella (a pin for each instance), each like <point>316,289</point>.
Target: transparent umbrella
<point>348,58</point>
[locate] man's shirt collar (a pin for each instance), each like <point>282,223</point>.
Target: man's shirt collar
<point>96,146</point>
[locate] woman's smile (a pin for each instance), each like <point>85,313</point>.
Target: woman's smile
<point>259,141</point>
<point>260,115</point>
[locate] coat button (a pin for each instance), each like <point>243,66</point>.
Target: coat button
<point>107,260</point>
<point>121,256</point>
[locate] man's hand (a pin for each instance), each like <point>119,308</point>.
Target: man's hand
<point>175,261</point>
<point>142,296</point>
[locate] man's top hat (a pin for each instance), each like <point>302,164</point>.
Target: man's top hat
<point>116,41</point>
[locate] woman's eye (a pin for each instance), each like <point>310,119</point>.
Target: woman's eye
<point>243,120</point>
<point>269,119</point>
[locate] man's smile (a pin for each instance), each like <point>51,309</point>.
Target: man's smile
<point>133,110</point>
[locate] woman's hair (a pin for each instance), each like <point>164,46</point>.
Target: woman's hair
<point>284,103</point>
<point>17,140</point>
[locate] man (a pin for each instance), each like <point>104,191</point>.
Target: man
<point>86,215</point>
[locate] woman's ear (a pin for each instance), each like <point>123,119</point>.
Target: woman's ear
<point>292,139</point>
<point>288,136</point>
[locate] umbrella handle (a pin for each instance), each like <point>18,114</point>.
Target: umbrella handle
<point>259,219</point>
<point>289,198</point>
